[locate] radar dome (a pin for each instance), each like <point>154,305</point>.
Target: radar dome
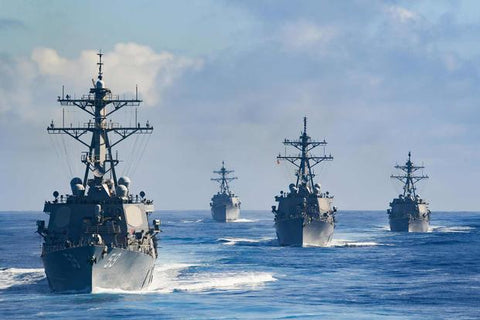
<point>78,189</point>
<point>125,181</point>
<point>75,181</point>
<point>100,84</point>
<point>292,188</point>
<point>121,191</point>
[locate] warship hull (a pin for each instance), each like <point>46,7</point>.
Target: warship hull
<point>84,269</point>
<point>225,213</point>
<point>409,225</point>
<point>293,232</point>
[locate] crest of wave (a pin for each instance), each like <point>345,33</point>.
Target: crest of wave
<point>350,243</point>
<point>10,277</point>
<point>244,220</point>
<point>173,278</point>
<point>246,241</point>
<point>455,229</point>
<point>176,277</point>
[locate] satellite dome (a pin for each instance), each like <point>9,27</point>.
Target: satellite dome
<point>78,189</point>
<point>75,181</point>
<point>125,181</point>
<point>121,191</point>
<point>100,84</point>
<point>292,188</point>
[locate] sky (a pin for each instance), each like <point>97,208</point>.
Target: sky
<point>229,80</point>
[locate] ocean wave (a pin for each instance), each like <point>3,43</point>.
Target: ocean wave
<point>246,241</point>
<point>192,221</point>
<point>10,277</point>
<point>340,243</point>
<point>384,228</point>
<point>202,282</point>
<point>245,220</point>
<point>169,278</point>
<point>454,229</point>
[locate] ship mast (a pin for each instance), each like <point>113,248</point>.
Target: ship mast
<point>409,179</point>
<point>100,104</point>
<point>224,179</point>
<point>305,161</point>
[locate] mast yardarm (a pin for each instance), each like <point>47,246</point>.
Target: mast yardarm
<point>224,179</point>
<point>100,103</point>
<point>305,161</point>
<point>409,179</point>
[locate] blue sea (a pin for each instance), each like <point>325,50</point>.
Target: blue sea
<point>210,270</point>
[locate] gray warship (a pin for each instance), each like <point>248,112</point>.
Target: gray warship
<point>304,215</point>
<point>99,236</point>
<point>225,205</point>
<point>408,212</point>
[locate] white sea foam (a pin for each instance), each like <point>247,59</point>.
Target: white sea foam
<point>175,277</point>
<point>351,243</point>
<point>385,228</point>
<point>233,241</point>
<point>245,220</point>
<point>10,277</point>
<point>454,229</point>
<point>202,282</point>
<point>192,221</point>
<point>245,241</point>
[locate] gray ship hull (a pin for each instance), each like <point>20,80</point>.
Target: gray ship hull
<point>292,232</point>
<point>409,225</point>
<point>82,269</point>
<point>225,213</point>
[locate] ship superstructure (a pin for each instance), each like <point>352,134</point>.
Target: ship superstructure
<point>304,215</point>
<point>225,205</point>
<point>99,236</point>
<point>409,212</point>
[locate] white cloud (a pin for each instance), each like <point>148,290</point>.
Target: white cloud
<point>28,84</point>
<point>305,34</point>
<point>128,64</point>
<point>401,14</point>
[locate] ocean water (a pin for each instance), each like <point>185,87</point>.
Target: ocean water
<point>210,270</point>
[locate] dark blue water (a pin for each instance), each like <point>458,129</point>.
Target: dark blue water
<point>236,270</point>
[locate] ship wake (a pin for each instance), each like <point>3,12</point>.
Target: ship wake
<point>248,242</point>
<point>11,278</point>
<point>179,277</point>
<point>340,243</point>
<point>453,229</point>
<point>244,220</point>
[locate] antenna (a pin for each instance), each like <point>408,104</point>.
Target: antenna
<point>100,64</point>
<point>99,160</point>
<point>304,161</point>
<point>409,179</point>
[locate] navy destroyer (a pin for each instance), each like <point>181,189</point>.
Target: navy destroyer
<point>225,205</point>
<point>99,236</point>
<point>304,215</point>
<point>409,212</point>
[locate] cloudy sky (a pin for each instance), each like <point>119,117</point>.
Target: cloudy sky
<point>229,80</point>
